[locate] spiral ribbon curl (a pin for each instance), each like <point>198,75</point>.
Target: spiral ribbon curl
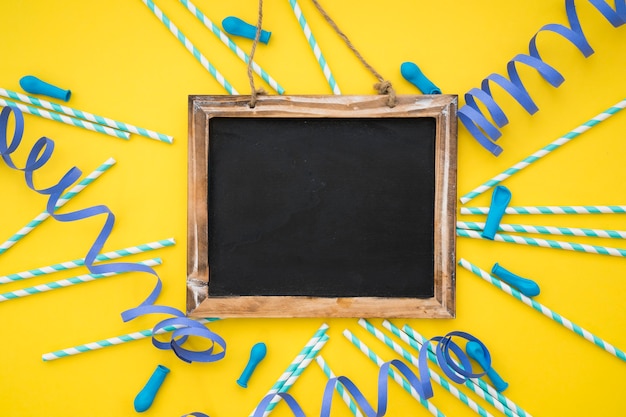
<point>38,156</point>
<point>445,349</point>
<point>485,131</point>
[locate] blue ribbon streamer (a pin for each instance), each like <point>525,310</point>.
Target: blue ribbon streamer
<point>446,349</point>
<point>38,156</point>
<point>486,131</point>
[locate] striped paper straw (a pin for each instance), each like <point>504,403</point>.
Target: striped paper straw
<point>112,341</point>
<point>314,47</point>
<point>550,210</point>
<point>546,243</point>
<point>65,119</point>
<point>339,387</point>
<point>544,310</point>
<point>294,364</point>
<point>233,47</point>
<point>392,373</point>
<point>478,386</point>
<point>435,376</point>
<point>64,199</point>
<point>296,373</point>
<point>63,266</point>
<point>544,151</point>
<point>189,46</point>
<point>55,285</point>
<point>86,116</point>
<point>546,230</point>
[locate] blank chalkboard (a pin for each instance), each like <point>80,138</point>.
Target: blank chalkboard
<point>321,206</point>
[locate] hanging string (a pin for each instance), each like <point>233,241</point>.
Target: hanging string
<point>382,86</point>
<point>257,36</point>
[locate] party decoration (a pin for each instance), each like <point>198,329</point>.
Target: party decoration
<point>470,115</point>
<point>158,13</point>
<point>64,266</point>
<point>546,230</point>
<point>257,354</point>
<point>499,201</point>
<point>36,111</point>
<point>34,85</point>
<point>237,27</point>
<point>546,150</point>
<point>587,335</point>
<point>412,73</point>
<point>306,30</point>
<point>126,127</point>
<point>614,209</point>
<point>232,46</point>
<point>145,398</point>
<point>547,243</point>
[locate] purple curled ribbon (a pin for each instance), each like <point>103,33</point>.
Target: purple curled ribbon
<point>38,156</point>
<point>486,131</point>
<point>458,370</point>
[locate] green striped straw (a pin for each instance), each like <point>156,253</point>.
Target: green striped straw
<point>112,341</point>
<point>189,46</point>
<point>546,230</point>
<point>65,119</point>
<point>55,285</point>
<point>294,364</point>
<point>345,396</point>
<point>546,243</point>
<point>478,386</point>
<point>396,376</point>
<point>544,310</point>
<point>63,266</point>
<point>233,47</point>
<point>86,116</point>
<point>544,151</point>
<point>297,372</point>
<point>314,46</point>
<point>550,210</point>
<point>64,199</point>
<point>413,360</point>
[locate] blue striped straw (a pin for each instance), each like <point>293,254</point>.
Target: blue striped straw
<point>414,361</point>
<point>546,243</point>
<point>64,199</point>
<point>550,210</point>
<point>478,386</point>
<point>314,47</point>
<point>345,396</point>
<point>65,119</point>
<point>590,337</point>
<point>296,361</point>
<point>189,46</point>
<point>392,373</point>
<point>233,47</point>
<point>544,151</point>
<point>63,266</point>
<point>112,341</point>
<point>86,116</point>
<point>296,373</point>
<point>55,285</point>
<point>547,230</point>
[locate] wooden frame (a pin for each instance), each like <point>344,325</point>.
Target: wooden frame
<point>442,108</point>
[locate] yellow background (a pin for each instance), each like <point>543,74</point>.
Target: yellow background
<point>121,62</point>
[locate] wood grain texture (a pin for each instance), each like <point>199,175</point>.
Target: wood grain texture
<point>442,108</point>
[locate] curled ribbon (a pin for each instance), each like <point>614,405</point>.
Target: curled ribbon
<point>38,156</point>
<point>445,349</point>
<point>486,131</point>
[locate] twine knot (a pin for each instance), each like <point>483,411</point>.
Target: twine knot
<point>384,87</point>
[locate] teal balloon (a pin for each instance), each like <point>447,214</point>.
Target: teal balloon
<point>144,399</point>
<point>34,85</point>
<point>257,353</point>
